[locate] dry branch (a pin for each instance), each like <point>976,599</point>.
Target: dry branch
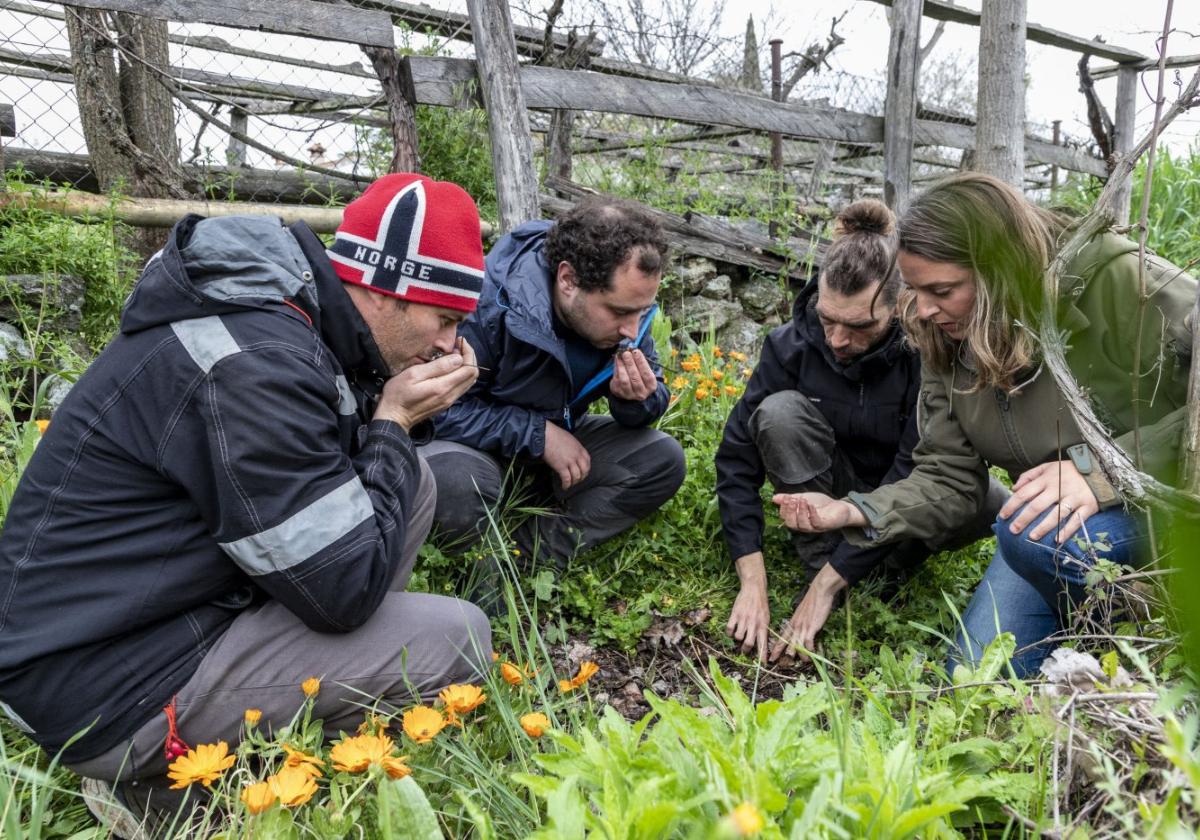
<point>1134,485</point>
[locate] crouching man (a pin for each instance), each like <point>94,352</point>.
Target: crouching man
<point>563,321</point>
<point>230,501</point>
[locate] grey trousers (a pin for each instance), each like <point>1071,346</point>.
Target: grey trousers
<point>633,473</point>
<point>413,646</point>
<point>800,454</point>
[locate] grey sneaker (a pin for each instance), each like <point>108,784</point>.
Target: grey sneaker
<point>111,812</point>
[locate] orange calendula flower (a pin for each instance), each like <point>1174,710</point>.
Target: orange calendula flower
<point>736,356</point>
<point>204,764</point>
<point>691,364</point>
<point>747,373</point>
<point>717,375</point>
<point>535,724</point>
<point>495,656</point>
<point>730,391</point>
<point>674,351</point>
<point>357,754</point>
<point>511,673</point>
<point>252,717</point>
<point>258,797</point>
<point>42,426</point>
<point>746,819</point>
<point>680,382</point>
<point>462,698</point>
<point>310,687</point>
<point>587,670</point>
<point>372,724</point>
<point>299,759</point>
<point>717,352</point>
<point>293,785</point>
<point>702,393</point>
<point>422,723</point>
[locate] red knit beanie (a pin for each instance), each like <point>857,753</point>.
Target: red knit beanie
<point>413,238</point>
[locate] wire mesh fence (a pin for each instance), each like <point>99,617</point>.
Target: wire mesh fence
<point>262,106</point>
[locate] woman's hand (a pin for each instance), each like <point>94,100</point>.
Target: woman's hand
<point>800,633</point>
<point>1054,484</point>
<point>816,512</point>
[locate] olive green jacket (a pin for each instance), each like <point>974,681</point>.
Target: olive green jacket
<point>962,434</point>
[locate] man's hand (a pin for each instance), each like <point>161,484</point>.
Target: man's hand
<point>421,391</point>
<point>1055,484</point>
<point>566,456</point>
<point>816,512</point>
<point>811,614</point>
<point>632,377</point>
<point>750,619</point>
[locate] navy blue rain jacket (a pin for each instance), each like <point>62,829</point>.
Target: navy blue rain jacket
<point>214,455</point>
<point>870,405</point>
<point>529,379</point>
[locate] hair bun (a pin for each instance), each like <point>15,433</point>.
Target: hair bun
<point>866,215</point>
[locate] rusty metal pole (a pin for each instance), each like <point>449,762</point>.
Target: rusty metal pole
<point>1054,169</point>
<point>776,137</point>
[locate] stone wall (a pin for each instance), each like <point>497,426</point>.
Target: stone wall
<point>737,308</point>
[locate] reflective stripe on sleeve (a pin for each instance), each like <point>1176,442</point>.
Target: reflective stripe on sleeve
<point>304,534</point>
<point>206,340</point>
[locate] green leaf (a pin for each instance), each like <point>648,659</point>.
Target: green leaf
<point>405,813</point>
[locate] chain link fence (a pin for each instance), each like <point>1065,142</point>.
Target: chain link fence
<point>276,101</point>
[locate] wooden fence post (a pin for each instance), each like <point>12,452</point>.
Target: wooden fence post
<point>1000,130</point>
<point>1123,138</point>
<point>235,154</point>
<point>900,112</point>
<point>508,121</point>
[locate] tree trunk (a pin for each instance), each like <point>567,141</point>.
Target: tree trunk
<point>127,117</point>
<point>1000,130</point>
<point>400,109</point>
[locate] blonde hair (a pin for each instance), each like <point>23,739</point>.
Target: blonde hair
<point>863,251</point>
<point>987,226</point>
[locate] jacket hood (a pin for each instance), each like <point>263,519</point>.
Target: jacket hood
<point>519,290</point>
<point>883,354</point>
<point>213,266</point>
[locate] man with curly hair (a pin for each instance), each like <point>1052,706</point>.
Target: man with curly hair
<point>563,321</point>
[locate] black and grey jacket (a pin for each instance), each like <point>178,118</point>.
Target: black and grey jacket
<point>870,405</point>
<point>217,453</point>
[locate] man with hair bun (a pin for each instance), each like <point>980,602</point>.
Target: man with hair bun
<point>831,407</point>
<point>563,321</point>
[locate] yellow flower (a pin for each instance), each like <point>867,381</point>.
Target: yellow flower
<point>717,352</point>
<point>460,699</point>
<point>535,724</point>
<point>354,755</point>
<point>680,382</point>
<point>308,763</point>
<point>372,724</point>
<point>293,785</point>
<point>423,723</point>
<point>310,687</point>
<point>692,363</point>
<point>205,764</point>
<point>511,673</point>
<point>730,391</point>
<point>747,373</point>
<point>746,819</point>
<point>252,717</point>
<point>674,351</point>
<point>42,426</point>
<point>587,670</point>
<point>701,393</point>
<point>258,797</point>
<point>736,356</point>
<point>717,375</point>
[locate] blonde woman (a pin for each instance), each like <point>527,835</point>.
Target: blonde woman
<point>973,253</point>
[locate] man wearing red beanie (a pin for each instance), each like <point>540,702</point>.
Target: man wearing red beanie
<point>229,501</point>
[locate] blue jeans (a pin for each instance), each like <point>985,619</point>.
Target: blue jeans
<point>1031,586</point>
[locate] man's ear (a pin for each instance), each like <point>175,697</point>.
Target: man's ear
<point>565,277</point>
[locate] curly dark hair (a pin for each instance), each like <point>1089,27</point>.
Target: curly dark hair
<point>599,234</point>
